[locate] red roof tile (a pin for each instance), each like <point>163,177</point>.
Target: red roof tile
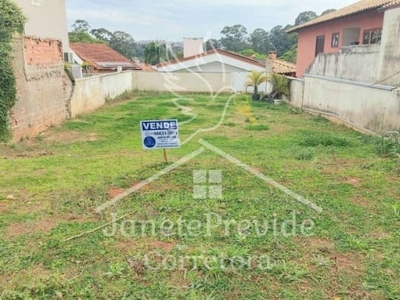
<point>278,65</point>
<point>356,8</point>
<point>281,66</point>
<point>102,57</point>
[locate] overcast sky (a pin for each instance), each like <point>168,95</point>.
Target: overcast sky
<point>174,19</point>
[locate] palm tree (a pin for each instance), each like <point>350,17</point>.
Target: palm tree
<point>254,79</point>
<point>281,85</point>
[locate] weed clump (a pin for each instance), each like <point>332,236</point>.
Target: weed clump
<point>323,139</point>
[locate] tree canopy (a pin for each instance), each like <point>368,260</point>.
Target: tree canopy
<point>235,38</point>
<point>120,41</point>
<point>304,17</point>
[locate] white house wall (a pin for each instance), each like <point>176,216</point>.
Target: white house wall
<point>212,62</point>
<point>216,67</point>
<point>46,19</point>
<point>389,58</point>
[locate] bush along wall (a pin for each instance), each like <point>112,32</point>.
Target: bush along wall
<point>11,21</point>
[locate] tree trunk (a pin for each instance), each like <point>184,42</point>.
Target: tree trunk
<point>256,96</point>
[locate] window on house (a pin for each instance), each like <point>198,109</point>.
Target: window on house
<point>335,40</point>
<point>372,36</point>
<point>319,45</point>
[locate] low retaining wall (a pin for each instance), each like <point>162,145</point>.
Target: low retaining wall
<point>92,92</point>
<point>369,108</point>
<point>182,82</point>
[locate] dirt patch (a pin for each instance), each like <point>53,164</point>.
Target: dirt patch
<point>380,235</point>
<point>343,262</point>
<point>114,192</point>
<point>70,136</point>
<point>321,245</point>
<point>165,246</point>
<point>343,270</point>
<point>3,207</point>
<point>18,229</point>
<point>352,181</point>
<point>338,165</point>
<point>159,188</point>
<point>128,246</point>
<point>360,201</point>
<point>29,276</point>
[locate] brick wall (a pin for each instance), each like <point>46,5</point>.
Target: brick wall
<point>43,87</point>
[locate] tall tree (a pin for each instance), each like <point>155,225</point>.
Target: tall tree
<point>290,55</point>
<point>260,41</point>
<point>140,48</point>
<point>304,17</point>
<point>102,34</point>
<point>328,11</point>
<point>279,39</point>
<point>81,25</point>
<point>123,43</point>
<point>234,38</point>
<point>80,34</point>
<point>211,44</point>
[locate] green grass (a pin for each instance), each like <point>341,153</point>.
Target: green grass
<point>52,185</point>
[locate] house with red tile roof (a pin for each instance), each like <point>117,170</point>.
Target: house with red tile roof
<point>360,23</point>
<point>102,59</point>
<point>280,66</point>
<point>220,61</point>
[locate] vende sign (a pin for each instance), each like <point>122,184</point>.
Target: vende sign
<point>160,134</point>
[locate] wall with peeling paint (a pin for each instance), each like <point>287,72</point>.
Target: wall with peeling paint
<point>43,86</point>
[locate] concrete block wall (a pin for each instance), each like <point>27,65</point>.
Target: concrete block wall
<point>296,92</point>
<point>357,63</point>
<point>371,109</point>
<point>90,93</point>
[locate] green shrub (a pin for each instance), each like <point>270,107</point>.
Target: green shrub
<point>304,154</point>
<point>323,139</point>
<point>11,21</point>
<point>258,127</point>
<point>389,144</point>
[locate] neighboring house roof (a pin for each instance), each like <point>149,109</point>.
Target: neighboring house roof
<point>102,57</point>
<point>146,67</point>
<point>391,4</point>
<point>353,9</point>
<point>212,52</point>
<point>281,66</point>
<point>277,65</point>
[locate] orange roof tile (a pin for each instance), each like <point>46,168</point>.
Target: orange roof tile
<point>102,57</point>
<point>281,66</point>
<point>278,65</point>
<point>393,3</point>
<point>356,8</point>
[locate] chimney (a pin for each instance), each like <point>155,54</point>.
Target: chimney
<point>272,55</point>
<point>192,47</point>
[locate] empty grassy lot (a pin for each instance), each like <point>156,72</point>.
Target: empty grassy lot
<point>253,242</point>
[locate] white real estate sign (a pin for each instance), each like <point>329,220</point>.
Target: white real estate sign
<point>158,134</point>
